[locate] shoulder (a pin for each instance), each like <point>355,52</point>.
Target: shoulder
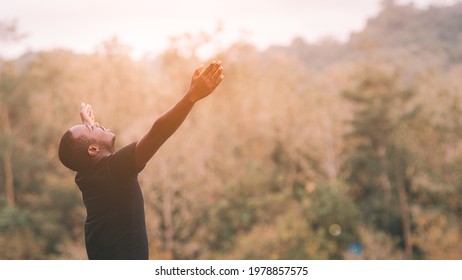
<point>123,162</point>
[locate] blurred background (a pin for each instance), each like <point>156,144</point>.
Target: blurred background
<point>336,134</point>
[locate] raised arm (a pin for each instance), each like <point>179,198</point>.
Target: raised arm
<point>203,83</point>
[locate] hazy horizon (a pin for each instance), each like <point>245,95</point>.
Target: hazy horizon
<point>146,26</point>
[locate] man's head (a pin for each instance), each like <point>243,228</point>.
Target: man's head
<point>82,146</point>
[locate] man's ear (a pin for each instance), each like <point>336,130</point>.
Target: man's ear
<point>93,150</point>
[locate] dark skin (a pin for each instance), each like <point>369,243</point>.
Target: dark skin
<point>204,81</point>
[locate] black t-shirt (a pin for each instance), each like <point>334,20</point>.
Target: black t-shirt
<point>115,227</point>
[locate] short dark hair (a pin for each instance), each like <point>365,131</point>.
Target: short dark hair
<point>73,151</point>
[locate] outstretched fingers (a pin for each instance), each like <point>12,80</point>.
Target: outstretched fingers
<point>213,73</point>
<point>208,69</point>
<point>86,114</point>
<point>204,84</point>
<point>90,113</point>
<point>217,76</point>
<point>218,80</point>
<point>212,69</point>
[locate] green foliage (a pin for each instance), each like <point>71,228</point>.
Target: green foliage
<point>380,159</point>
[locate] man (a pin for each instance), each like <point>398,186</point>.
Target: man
<point>115,226</point>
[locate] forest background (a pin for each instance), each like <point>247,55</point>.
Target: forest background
<point>322,150</point>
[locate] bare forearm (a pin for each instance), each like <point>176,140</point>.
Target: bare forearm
<point>163,127</point>
<point>203,83</point>
<point>167,123</point>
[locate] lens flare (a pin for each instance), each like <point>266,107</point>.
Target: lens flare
<point>335,230</point>
<point>356,249</point>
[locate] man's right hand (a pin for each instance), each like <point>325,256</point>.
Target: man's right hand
<point>204,82</point>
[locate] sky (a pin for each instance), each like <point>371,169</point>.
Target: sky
<point>147,25</point>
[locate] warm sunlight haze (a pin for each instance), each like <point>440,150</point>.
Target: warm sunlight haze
<point>146,25</point>
<point>231,130</point>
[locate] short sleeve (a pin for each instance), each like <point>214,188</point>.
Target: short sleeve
<point>122,163</point>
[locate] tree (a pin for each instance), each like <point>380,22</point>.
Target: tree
<point>9,84</point>
<point>382,165</point>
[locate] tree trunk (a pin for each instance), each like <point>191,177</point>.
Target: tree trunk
<point>405,217</point>
<point>384,180</point>
<point>330,163</point>
<point>7,161</point>
<point>167,210</point>
<point>8,171</point>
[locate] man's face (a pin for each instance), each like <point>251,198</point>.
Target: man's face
<point>100,135</point>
